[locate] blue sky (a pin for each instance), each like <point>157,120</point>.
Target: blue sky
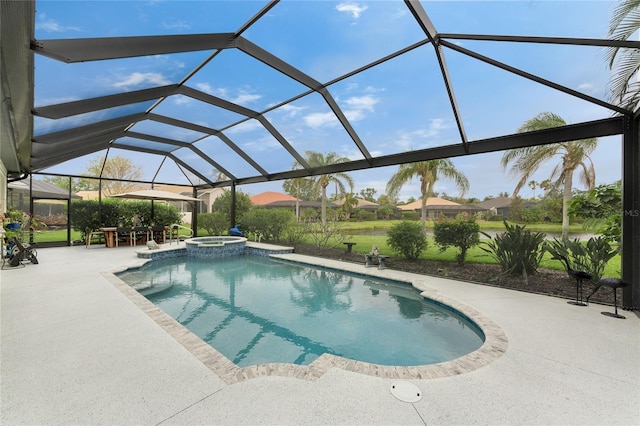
<point>397,106</point>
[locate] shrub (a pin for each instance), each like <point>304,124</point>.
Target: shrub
<point>407,238</point>
<point>294,233</point>
<point>309,214</point>
<point>222,204</point>
<point>90,214</point>
<point>385,212</point>
<point>462,234</point>
<point>268,223</point>
<point>329,236</point>
<point>363,215</point>
<point>410,215</point>
<point>591,257</point>
<point>213,223</point>
<point>517,251</point>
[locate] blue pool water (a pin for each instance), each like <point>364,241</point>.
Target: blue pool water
<point>255,310</point>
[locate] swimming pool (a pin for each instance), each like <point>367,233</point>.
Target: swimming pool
<point>256,310</point>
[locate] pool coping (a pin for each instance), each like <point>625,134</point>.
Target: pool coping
<point>494,346</point>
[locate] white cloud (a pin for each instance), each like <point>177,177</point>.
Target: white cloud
<point>362,102</point>
<point>51,26</point>
<point>420,138</point>
<point>181,100</point>
<point>587,88</point>
<point>245,98</point>
<point>180,25</point>
<point>351,8</point>
<point>242,97</point>
<point>318,119</point>
<point>215,91</point>
<point>137,78</point>
<point>291,111</point>
<point>246,126</point>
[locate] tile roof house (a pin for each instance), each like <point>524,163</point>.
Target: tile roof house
<point>269,197</point>
<point>438,206</point>
<point>362,204</point>
<point>502,205</point>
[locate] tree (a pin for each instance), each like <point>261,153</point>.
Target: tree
<point>602,209</point>
<point>318,159</point>
<point>222,204</point>
<point>462,234</point>
<point>428,172</point>
<point>368,194</point>
<point>574,155</point>
<point>624,63</point>
<point>121,169</point>
<point>350,202</point>
<point>533,185</point>
<point>302,189</point>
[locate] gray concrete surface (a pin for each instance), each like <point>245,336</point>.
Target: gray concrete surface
<point>75,350</point>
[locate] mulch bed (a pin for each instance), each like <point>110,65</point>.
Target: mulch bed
<point>546,281</point>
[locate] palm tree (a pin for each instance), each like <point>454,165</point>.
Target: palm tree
<point>428,172</point>
<point>533,185</point>
<point>573,155</point>
<point>350,202</point>
<point>318,159</point>
<point>297,184</point>
<point>625,21</point>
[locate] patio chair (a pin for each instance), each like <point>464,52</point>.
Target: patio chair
<point>140,233</point>
<point>158,233</point>
<point>125,234</point>
<point>97,234</point>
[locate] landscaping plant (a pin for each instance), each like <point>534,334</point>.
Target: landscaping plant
<point>517,251</point>
<point>213,223</point>
<point>462,234</point>
<point>591,257</point>
<point>407,238</point>
<point>270,224</point>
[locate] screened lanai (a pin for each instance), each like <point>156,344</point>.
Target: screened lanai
<point>231,94</point>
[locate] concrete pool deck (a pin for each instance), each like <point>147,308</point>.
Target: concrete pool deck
<point>76,350</point>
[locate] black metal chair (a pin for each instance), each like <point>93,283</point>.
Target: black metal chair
<point>614,284</point>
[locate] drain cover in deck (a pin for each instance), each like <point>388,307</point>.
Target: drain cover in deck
<point>406,392</point>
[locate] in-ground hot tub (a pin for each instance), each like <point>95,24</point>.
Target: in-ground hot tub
<point>214,247</point>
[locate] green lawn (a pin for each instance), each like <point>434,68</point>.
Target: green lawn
<point>474,255</point>
<point>381,225</point>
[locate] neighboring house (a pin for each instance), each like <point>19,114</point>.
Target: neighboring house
<point>272,199</point>
<point>18,194</point>
<point>362,204</point>
<point>498,206</point>
<point>437,207</point>
<point>501,206</point>
<point>266,199</point>
<point>207,198</point>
